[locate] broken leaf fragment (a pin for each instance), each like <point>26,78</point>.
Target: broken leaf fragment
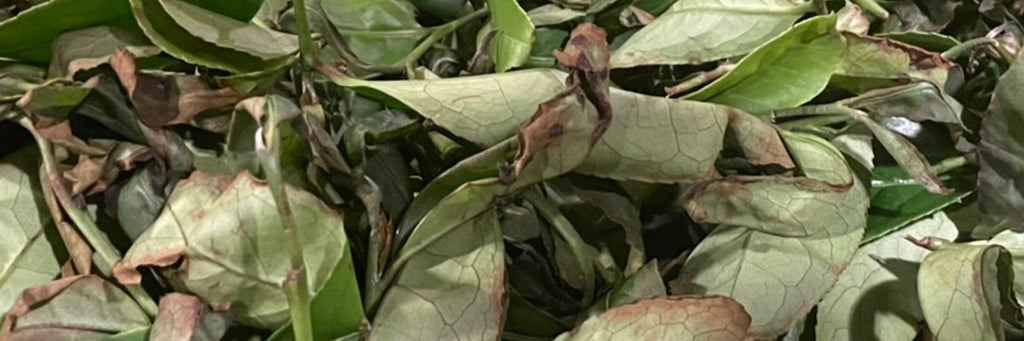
<point>53,311</point>
<point>667,318</point>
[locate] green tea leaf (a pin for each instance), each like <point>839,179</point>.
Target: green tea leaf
<point>227,231</point>
<point>783,73</point>
<point>29,35</point>
<point>966,289</point>
<point>54,311</point>
<point>694,32</point>
<point>674,317</point>
<point>384,32</point>
<point>875,298</point>
<point>1000,191</point>
<point>26,257</point>
<point>515,34</point>
<point>896,203</point>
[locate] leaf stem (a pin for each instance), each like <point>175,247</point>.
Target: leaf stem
<point>437,33</point>
<point>108,254</point>
<point>296,286</point>
<point>873,7</point>
<point>950,164</point>
<point>305,38</point>
<point>969,46</point>
<point>701,78</point>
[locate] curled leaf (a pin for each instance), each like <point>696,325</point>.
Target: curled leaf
<point>673,317</point>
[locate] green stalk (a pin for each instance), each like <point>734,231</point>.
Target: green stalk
<point>873,7</point>
<point>296,286</point>
<point>305,38</point>
<point>440,32</point>
<point>108,254</point>
<point>969,46</point>
<point>950,164</point>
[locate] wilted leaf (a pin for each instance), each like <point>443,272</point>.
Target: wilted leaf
<point>782,242</point>
<point>783,73</point>
<point>230,33</point>
<point>930,41</point>
<point>54,311</point>
<point>91,47</point>
<point>167,100</point>
<point>28,36</point>
<point>1000,191</point>
<point>139,203</point>
<point>26,257</point>
<point>966,289</point>
<point>227,233</point>
<point>488,109</point>
<point>876,297</point>
<point>871,62</point>
<point>163,31</point>
<point>184,318</point>
<point>515,34</point>
<point>693,32</point>
<point>918,15</point>
<point>674,317</point>
<point>453,285</point>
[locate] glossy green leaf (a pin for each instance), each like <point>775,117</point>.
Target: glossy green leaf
<point>26,257</point>
<point>230,33</point>
<point>227,231</point>
<point>876,297</point>
<point>91,47</point>
<point>453,284</point>
<point>783,73</point>
<point>966,289</point>
<point>698,31</point>
<point>511,45</point>
<point>54,311</point>
<point>29,35</point>
<point>241,10</point>
<point>383,34</point>
<point>778,267</point>
<point>333,312</point>
<point>1000,191</point>
<point>896,200</point>
<point>674,317</point>
<point>169,35</point>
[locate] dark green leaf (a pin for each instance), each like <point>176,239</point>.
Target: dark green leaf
<point>29,36</point>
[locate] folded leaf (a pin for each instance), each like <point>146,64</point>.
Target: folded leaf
<point>782,242</point>
<point>384,32</point>
<point>515,34</point>
<point>230,33</point>
<point>966,289</point>
<point>29,35</point>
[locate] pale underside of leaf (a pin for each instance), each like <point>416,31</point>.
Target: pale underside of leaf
<point>876,296</point>
<point>958,297</point>
<point>452,290</point>
<point>230,33</point>
<point>26,256</point>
